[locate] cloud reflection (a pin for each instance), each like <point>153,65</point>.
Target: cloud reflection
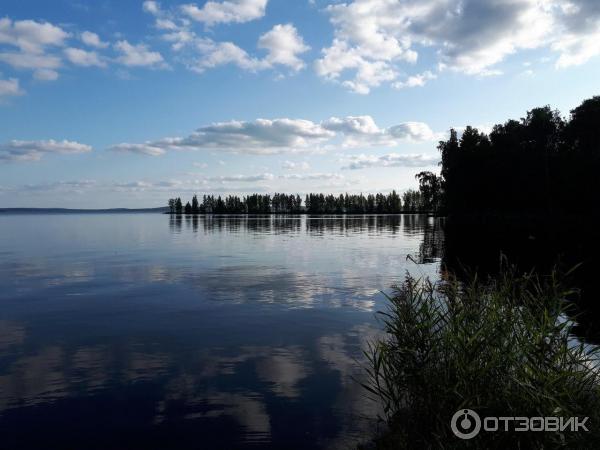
<point>198,386</point>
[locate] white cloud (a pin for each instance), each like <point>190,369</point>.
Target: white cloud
<point>340,58</point>
<point>237,11</point>
<point>366,26</point>
<point>312,176</point>
<point>214,54</point>
<point>142,149</point>
<point>191,186</point>
<point>413,131</point>
<point>243,178</point>
<point>283,44</point>
<point>578,42</point>
<point>181,38</point>
<point>30,60</point>
<point>31,36</point>
<point>481,34</point>
<point>160,185</point>
<point>373,37</point>
<point>363,131</point>
<point>356,162</point>
<point>10,88</point>
<point>35,150</point>
<point>151,7</point>
<point>261,136</point>
<point>166,24</point>
<point>92,40</point>
<point>138,55</point>
<point>575,50</point>
<point>131,186</point>
<point>418,80</point>
<point>277,133</point>
<point>353,125</point>
<point>363,45</point>
<point>45,75</point>
<point>225,179</point>
<point>164,20</point>
<point>83,58</point>
<point>279,136</point>
<point>470,35</point>
<point>291,165</point>
<point>71,186</point>
<point>33,41</point>
<point>359,131</point>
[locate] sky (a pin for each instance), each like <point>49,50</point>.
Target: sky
<point>126,103</point>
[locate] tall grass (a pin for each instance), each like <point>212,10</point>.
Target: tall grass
<point>502,347</point>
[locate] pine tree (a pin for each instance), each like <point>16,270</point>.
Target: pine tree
<point>195,209</point>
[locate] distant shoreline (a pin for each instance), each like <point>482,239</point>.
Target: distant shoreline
<point>160,209</point>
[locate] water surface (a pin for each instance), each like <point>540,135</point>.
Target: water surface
<point>148,331</point>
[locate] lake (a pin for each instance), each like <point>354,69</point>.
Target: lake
<point>149,331</point>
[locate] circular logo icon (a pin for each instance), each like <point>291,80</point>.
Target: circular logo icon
<point>465,424</point>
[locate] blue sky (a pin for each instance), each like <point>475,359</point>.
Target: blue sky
<point>127,103</point>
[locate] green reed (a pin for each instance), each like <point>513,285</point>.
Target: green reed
<point>502,347</point>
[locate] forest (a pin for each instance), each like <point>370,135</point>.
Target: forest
<point>542,164</point>
<point>425,199</point>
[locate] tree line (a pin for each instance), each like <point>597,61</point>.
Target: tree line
<point>540,164</point>
<point>420,200</point>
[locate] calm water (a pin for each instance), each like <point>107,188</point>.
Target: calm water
<point>142,331</point>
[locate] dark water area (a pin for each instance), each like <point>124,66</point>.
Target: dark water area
<point>145,331</point>
<point>542,243</point>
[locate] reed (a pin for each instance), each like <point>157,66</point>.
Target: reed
<point>502,346</point>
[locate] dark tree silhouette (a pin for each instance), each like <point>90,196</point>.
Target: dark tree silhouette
<point>430,187</point>
<point>412,201</point>
<point>195,207</point>
<point>279,203</point>
<point>540,164</point>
